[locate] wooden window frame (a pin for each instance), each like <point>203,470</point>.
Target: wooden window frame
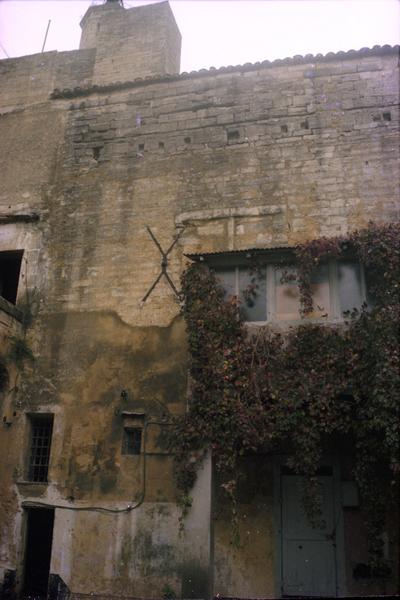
<point>335,312</point>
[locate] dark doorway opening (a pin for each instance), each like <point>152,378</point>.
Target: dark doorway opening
<point>39,537</point>
<point>10,266</point>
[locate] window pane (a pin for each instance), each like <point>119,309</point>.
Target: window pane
<point>227,278</point>
<point>320,292</point>
<point>253,293</point>
<point>350,289</point>
<point>287,295</point>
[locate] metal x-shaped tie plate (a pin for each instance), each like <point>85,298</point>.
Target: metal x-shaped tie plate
<point>164,264</point>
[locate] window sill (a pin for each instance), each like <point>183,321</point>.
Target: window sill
<point>329,322</point>
<point>34,483</point>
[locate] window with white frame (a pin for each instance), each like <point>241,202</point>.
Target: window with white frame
<point>271,293</point>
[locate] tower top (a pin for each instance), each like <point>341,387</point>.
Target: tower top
<point>130,43</point>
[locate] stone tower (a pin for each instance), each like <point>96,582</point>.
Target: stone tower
<point>131,43</point>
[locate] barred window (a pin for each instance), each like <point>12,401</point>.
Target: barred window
<point>132,440</point>
<point>39,456</point>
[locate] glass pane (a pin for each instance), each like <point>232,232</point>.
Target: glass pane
<point>227,279</point>
<point>350,289</point>
<point>287,295</point>
<point>320,292</point>
<point>253,293</point>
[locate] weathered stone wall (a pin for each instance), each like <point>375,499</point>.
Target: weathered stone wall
<point>257,156</point>
<point>247,564</point>
<point>30,79</point>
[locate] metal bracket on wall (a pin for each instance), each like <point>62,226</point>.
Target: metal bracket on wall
<point>164,264</point>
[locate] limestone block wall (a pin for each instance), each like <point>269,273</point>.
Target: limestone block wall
<point>300,151</point>
<point>30,79</point>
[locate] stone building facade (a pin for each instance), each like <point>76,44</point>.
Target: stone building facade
<point>103,148</point>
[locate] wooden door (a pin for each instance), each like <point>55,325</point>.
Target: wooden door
<point>308,554</point>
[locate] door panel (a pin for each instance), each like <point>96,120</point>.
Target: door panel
<point>308,554</point>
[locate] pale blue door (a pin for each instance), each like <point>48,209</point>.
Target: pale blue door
<point>308,554</point>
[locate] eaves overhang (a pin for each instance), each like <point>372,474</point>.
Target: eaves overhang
<point>246,253</point>
<point>289,61</point>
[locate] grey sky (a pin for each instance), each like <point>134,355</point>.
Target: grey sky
<point>219,32</point>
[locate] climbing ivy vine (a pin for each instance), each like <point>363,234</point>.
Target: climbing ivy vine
<point>294,391</point>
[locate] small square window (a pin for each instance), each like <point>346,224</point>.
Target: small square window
<point>132,440</point>
<point>233,134</point>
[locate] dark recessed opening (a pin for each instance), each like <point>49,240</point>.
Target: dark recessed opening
<point>284,128</point>
<point>39,538</point>
<point>188,140</point>
<point>161,145</point>
<point>132,440</point>
<point>233,134</point>
<point>387,116</point>
<point>96,153</point>
<point>361,571</point>
<point>304,125</point>
<point>141,146</point>
<point>10,267</point>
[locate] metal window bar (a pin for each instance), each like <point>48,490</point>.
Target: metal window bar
<point>132,440</point>
<point>40,450</point>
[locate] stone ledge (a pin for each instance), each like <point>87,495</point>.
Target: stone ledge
<point>226,213</point>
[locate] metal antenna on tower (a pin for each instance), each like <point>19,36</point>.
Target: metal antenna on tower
<point>4,50</point>
<point>45,37</point>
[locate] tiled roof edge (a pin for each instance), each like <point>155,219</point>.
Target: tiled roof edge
<point>295,60</point>
<point>196,256</point>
